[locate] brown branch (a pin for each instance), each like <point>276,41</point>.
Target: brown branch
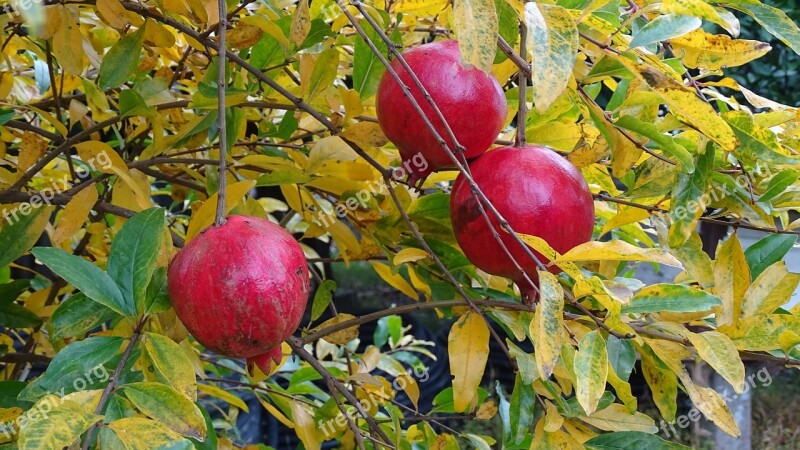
<point>522,112</point>
<point>222,131</point>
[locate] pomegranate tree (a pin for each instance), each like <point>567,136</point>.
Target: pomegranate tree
<point>471,101</point>
<point>241,288</point>
<point>538,192</point>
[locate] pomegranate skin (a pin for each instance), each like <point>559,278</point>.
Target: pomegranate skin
<point>538,192</point>
<point>470,100</point>
<point>240,288</point>
<point>265,362</point>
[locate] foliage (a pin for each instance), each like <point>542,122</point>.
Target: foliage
<point>110,109</point>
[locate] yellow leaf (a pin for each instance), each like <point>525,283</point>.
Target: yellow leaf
<point>663,384</point>
<point>157,35</point>
<point>788,340</point>
<point>547,326</point>
<point>487,410</point>
<point>395,280</point>
<point>618,250</point>
<point>224,395</point>
<point>329,148</point>
<point>717,51</point>
<point>719,352</point>
<point>772,289</point>
<point>555,440</point>
<point>623,390</point>
<point>697,8</point>
<point>170,365</point>
<point>112,13</point>
<point>368,134</point>
<point>731,279</point>
<point>468,349</point>
<point>340,337</point>
<point>52,120</point>
<point>204,216</point>
<point>6,83</point>
<point>553,46</point>
<point>31,149</point>
<point>759,332</point>
<point>139,432</point>
<point>304,425</point>
<point>424,8</point>
<point>409,255</point>
<point>591,370</point>
<point>267,26</point>
<point>410,386</point>
<point>691,109</point>
<point>59,428</point>
<point>75,214</point>
<point>301,23</point>
<point>616,417</point>
<point>276,413</point>
<point>68,42</point>
<point>8,416</point>
<point>475,22</point>
<point>541,246</point>
<point>100,156</point>
<point>552,419</point>
<point>245,36</point>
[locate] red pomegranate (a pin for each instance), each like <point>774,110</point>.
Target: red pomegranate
<point>538,192</point>
<point>470,100</point>
<point>241,288</point>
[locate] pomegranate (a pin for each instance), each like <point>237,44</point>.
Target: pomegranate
<point>470,100</point>
<point>241,288</point>
<point>538,192</point>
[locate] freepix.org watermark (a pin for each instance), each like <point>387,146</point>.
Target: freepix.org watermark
<point>683,421</point>
<point>93,376</point>
<point>360,198</point>
<point>46,195</point>
<point>371,402</point>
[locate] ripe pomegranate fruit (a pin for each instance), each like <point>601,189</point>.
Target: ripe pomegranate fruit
<point>538,192</point>
<point>470,100</point>
<point>241,288</point>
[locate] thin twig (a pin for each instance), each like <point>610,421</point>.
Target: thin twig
<point>222,131</point>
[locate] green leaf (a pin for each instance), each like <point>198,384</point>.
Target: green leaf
<point>87,277</point>
<point>81,359</point>
<point>138,432</point>
<point>170,364</point>
<point>21,231</point>
<point>133,256</point>
<point>664,28</point>
<point>322,298</point>
<point>631,440</point>
<point>521,410</point>
<point>11,291</point>
<point>671,298</point>
<point>686,209</point>
<point>591,370</point>
<point>168,406</point>
<point>157,297</point>
<point>17,316</point>
<point>57,429</point>
<point>475,22</point>
<point>9,390</point>
<point>778,184</point>
<point>121,60</point>
<point>665,142</point>
<point>367,68</point>
<point>508,27</point>
<point>552,44</point>
<point>768,251</point>
<point>78,315</point>
<point>621,356</point>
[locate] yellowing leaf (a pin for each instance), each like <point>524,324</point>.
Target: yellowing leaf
<point>170,364</point>
<point>341,337</point>
<point>696,8</point>
<point>244,36</point>
<point>214,391</point>
<point>719,352</point>
<point>731,279</point>
<point>760,332</point>
<point>75,214</point>
<point>68,42</point>
<point>772,289</point>
<point>395,280</point>
<point>31,149</point>
<point>138,432</point>
<point>276,413</point>
<point>204,216</point>
<point>367,134</point>
<point>547,326</point>
<point>410,386</point>
<point>468,349</point>
<point>476,24</point>
<point>711,404</point>
<point>112,13</point>
<point>409,255</point>
<point>618,250</point>
<point>692,110</point>
<point>553,46</point>
<point>717,51</point>
<point>304,425</point>
<point>301,23</point>
<point>591,370</point>
<point>616,417</point>
<point>423,8</point>
<point>59,428</point>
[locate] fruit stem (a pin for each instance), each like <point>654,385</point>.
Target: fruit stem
<point>522,112</point>
<point>221,125</point>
